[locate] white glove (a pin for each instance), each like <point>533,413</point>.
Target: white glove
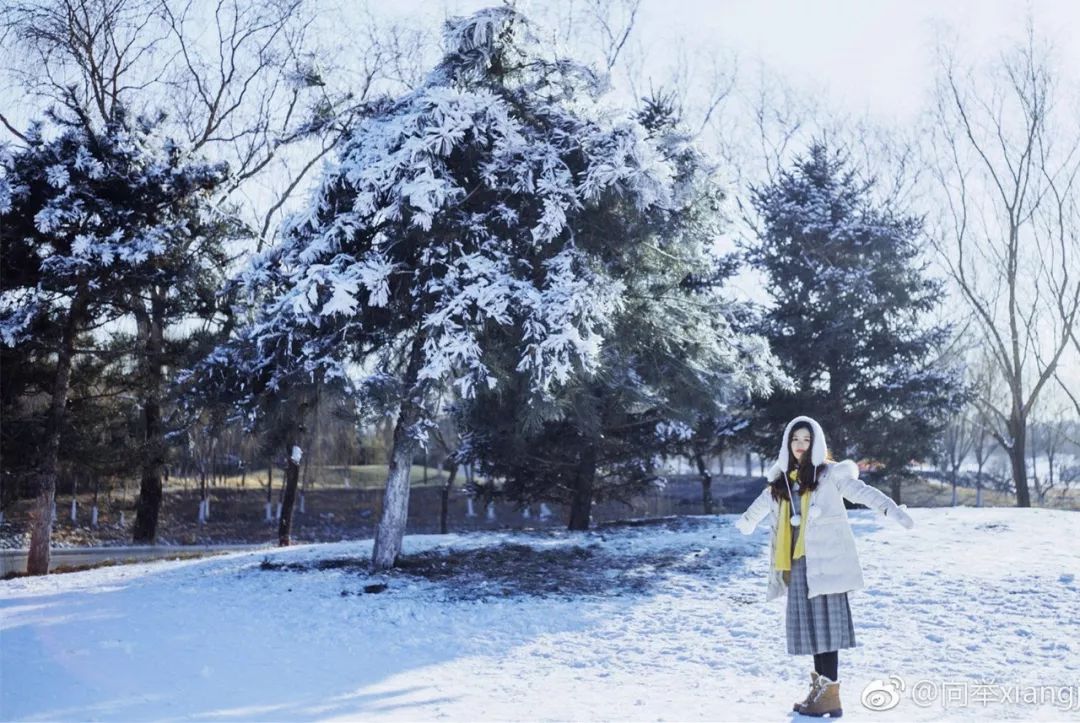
<point>901,516</point>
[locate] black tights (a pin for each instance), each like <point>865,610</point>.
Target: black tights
<point>827,663</point>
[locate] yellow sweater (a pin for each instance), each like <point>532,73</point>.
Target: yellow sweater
<point>784,555</point>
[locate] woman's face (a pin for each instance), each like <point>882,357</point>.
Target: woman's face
<point>800,442</point>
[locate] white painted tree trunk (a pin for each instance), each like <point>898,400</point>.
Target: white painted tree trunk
<point>268,510</point>
<point>470,511</point>
<point>93,516</point>
<point>391,530</point>
<point>122,523</point>
<point>74,511</point>
<point>525,513</point>
<point>301,501</point>
<point>545,511</point>
<point>278,514</point>
<point>491,511</point>
<point>395,509</point>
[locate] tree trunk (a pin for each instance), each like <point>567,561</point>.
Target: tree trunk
<point>292,476</point>
<point>395,508</point>
<point>306,479</point>
<point>706,483</point>
<point>1018,431</point>
<point>293,455</point>
<point>581,503</point>
<point>1049,475</point>
<point>306,482</point>
<point>94,510</point>
<point>1039,490</point>
<point>955,474</point>
<point>210,461</point>
<point>75,498</point>
<point>148,506</point>
<point>202,492</point>
<point>894,485</point>
<point>41,516</point>
<point>444,512</point>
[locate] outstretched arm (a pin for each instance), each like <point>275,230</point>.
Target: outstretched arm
<point>854,489</point>
<point>755,513</point>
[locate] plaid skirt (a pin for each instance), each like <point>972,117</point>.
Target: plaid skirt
<point>818,624</point>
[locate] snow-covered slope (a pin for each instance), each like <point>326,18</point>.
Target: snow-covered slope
<point>655,621</point>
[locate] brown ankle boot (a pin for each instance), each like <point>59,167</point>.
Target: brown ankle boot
<point>813,686</point>
<point>826,699</point>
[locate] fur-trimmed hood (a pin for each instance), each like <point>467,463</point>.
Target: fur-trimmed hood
<point>817,452</point>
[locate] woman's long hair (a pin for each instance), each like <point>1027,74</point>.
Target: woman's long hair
<point>807,477</point>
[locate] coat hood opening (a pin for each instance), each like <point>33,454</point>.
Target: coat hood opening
<point>817,452</point>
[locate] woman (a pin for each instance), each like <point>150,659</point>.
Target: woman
<point>812,552</point>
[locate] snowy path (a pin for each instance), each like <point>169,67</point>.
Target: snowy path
<point>658,622</point>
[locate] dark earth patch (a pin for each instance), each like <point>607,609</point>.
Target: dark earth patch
<point>514,568</point>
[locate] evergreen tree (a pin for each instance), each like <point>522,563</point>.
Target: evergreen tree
<point>464,207</point>
<point>97,224</point>
<point>851,297</point>
<point>678,352</point>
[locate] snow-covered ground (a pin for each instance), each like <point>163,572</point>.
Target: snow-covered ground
<point>639,622</point>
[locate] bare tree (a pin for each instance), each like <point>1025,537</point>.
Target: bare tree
<point>988,386</point>
<point>956,444</point>
<point>1066,388</point>
<point>778,123</point>
<point>982,448</point>
<point>1053,431</point>
<point>1069,472</point>
<point>1005,163</point>
<point>92,56</point>
<point>614,22</point>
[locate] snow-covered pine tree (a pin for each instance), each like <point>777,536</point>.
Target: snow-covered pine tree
<point>851,315</point>
<point>90,221</point>
<point>455,210</point>
<point>678,350</point>
<point>173,198</point>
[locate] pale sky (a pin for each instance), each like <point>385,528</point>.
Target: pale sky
<point>864,55</point>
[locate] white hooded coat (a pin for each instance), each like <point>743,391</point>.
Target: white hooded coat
<point>832,562</point>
